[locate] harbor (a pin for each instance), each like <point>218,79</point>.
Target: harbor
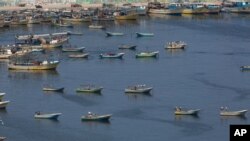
<point>159,76</point>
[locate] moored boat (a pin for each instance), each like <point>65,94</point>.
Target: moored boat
<point>245,68</point>
<point>73,49</point>
<point>138,89</point>
<point>132,16</point>
<point>44,65</point>
<point>140,34</point>
<point>90,89</point>
<point>40,115</point>
<point>96,26</point>
<point>112,55</point>
<point>175,45</point>
<point>54,42</point>
<point>147,54</point>
<point>132,47</point>
<point>49,88</point>
<point>180,111</point>
<point>2,138</point>
<point>94,117</point>
<point>114,34</point>
<point>3,104</point>
<point>224,112</point>
<point>82,55</point>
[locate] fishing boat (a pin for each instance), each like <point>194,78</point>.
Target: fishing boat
<point>138,89</point>
<point>144,34</point>
<point>3,104</point>
<point>1,96</point>
<point>40,115</point>
<point>82,55</point>
<point>132,47</point>
<point>245,68</point>
<point>224,112</point>
<point>49,88</point>
<point>72,49</point>
<point>96,26</point>
<point>114,34</point>
<point>180,111</point>
<point>175,45</point>
<point>2,138</point>
<point>112,55</point>
<point>80,19</point>
<point>44,65</point>
<point>60,23</point>
<point>89,89</point>
<point>147,54</point>
<point>132,16</point>
<point>94,117</point>
<point>57,42</point>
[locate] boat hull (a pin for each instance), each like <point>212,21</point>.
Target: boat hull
<point>96,90</point>
<point>114,34</point>
<point>145,90</point>
<point>127,17</point>
<point>146,55</point>
<point>47,116</point>
<point>3,104</point>
<point>96,118</point>
<point>35,67</point>
<point>85,55</point>
<point>144,34</point>
<point>73,49</point>
<point>188,112</point>
<point>118,56</point>
<point>54,89</point>
<point>233,113</point>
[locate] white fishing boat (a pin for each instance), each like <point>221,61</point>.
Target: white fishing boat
<point>96,26</point>
<point>138,89</point>
<point>2,138</point>
<point>3,104</point>
<point>112,55</point>
<point>94,117</point>
<point>40,115</point>
<point>180,111</point>
<point>175,45</point>
<point>225,112</point>
<point>114,33</point>
<point>147,54</point>
<point>82,55</point>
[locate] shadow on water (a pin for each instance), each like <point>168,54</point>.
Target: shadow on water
<point>82,94</point>
<point>186,117</point>
<point>229,119</point>
<point>27,74</point>
<point>96,123</point>
<point>133,96</point>
<point>174,52</point>
<point>78,99</point>
<point>48,121</point>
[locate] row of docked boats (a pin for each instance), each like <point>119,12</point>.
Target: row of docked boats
<point>88,117</point>
<point>97,89</point>
<point>223,112</point>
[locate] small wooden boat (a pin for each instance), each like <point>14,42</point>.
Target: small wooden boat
<point>147,54</point>
<point>2,138</point>
<point>225,112</point>
<point>73,49</point>
<point>90,89</point>
<point>3,104</point>
<point>144,34</point>
<point>112,55</point>
<point>96,26</point>
<point>49,88</point>
<point>82,55</point>
<point>138,89</point>
<point>176,45</point>
<point>245,68</point>
<point>114,34</point>
<point>1,96</point>
<point>132,47</point>
<point>179,111</point>
<point>93,117</point>
<point>54,116</point>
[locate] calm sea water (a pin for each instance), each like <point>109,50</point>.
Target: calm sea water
<point>206,75</point>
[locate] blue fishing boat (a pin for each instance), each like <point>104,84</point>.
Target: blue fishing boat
<point>112,55</point>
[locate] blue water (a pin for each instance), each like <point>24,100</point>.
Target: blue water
<point>206,75</point>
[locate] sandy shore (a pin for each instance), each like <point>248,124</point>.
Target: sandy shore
<point>57,6</point>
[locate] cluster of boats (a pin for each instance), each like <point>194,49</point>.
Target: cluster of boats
<point>223,112</point>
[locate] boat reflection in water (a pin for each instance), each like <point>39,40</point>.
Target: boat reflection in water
<point>32,74</point>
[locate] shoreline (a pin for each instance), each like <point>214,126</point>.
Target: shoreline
<point>60,6</point>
